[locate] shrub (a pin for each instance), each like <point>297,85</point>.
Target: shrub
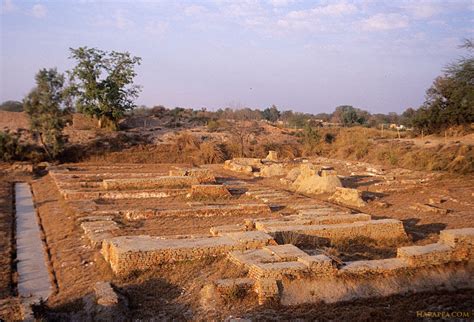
<point>10,148</point>
<point>213,125</point>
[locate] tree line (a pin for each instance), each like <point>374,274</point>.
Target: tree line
<point>101,85</point>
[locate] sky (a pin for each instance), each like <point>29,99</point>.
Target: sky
<point>308,56</point>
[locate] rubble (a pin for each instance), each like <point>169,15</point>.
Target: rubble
<point>312,181</point>
<point>272,156</point>
<point>348,197</point>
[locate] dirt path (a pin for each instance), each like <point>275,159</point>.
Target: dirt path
<point>74,267</point>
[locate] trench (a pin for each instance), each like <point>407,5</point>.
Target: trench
<point>33,277</point>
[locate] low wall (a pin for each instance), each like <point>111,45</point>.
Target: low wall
<point>126,254</point>
<point>149,183</point>
<point>200,211</point>
<point>446,264</point>
<point>203,175</point>
<point>384,229</point>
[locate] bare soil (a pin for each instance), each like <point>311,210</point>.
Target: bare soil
<point>176,291</point>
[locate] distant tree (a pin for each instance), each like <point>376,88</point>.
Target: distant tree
<point>158,111</point>
<point>271,114</point>
<point>44,106</point>
<point>347,115</point>
<point>11,106</point>
<point>407,117</point>
<point>102,83</point>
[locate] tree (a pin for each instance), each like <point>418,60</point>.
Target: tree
<point>44,107</point>
<point>11,106</point>
<point>348,115</point>
<point>102,83</point>
<point>311,139</point>
<point>271,114</point>
<point>450,100</point>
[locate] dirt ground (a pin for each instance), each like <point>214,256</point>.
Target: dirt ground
<point>9,304</point>
<point>176,291</point>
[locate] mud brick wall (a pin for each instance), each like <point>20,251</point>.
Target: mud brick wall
<point>209,191</point>
<point>149,183</point>
<point>270,265</point>
<point>97,231</point>
<point>320,220</point>
<point>90,195</point>
<point>203,175</point>
<point>130,253</point>
<point>200,211</point>
<point>462,242</point>
<point>384,229</point>
<point>267,290</point>
<point>432,254</point>
<point>277,270</point>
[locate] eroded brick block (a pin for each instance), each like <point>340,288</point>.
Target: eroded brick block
<point>432,254</point>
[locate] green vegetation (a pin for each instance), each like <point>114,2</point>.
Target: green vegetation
<point>11,106</point>
<point>10,147</point>
<point>44,105</point>
<point>271,114</point>
<point>450,100</point>
<point>102,84</point>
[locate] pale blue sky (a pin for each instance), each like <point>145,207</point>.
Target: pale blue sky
<point>309,56</point>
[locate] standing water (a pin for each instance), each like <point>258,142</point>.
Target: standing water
<point>33,277</point>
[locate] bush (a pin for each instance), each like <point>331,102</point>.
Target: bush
<point>10,148</point>
<point>213,125</point>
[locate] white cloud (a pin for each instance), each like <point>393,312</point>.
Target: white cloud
<point>117,19</point>
<point>194,10</point>
<point>335,9</point>
<point>39,11</point>
<point>314,19</point>
<point>388,21</point>
<point>422,10</point>
<point>280,3</point>
<point>7,6</point>
<point>121,21</point>
<point>157,28</point>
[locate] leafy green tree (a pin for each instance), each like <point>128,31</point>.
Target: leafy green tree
<point>44,106</point>
<point>102,83</point>
<point>450,100</point>
<point>271,114</point>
